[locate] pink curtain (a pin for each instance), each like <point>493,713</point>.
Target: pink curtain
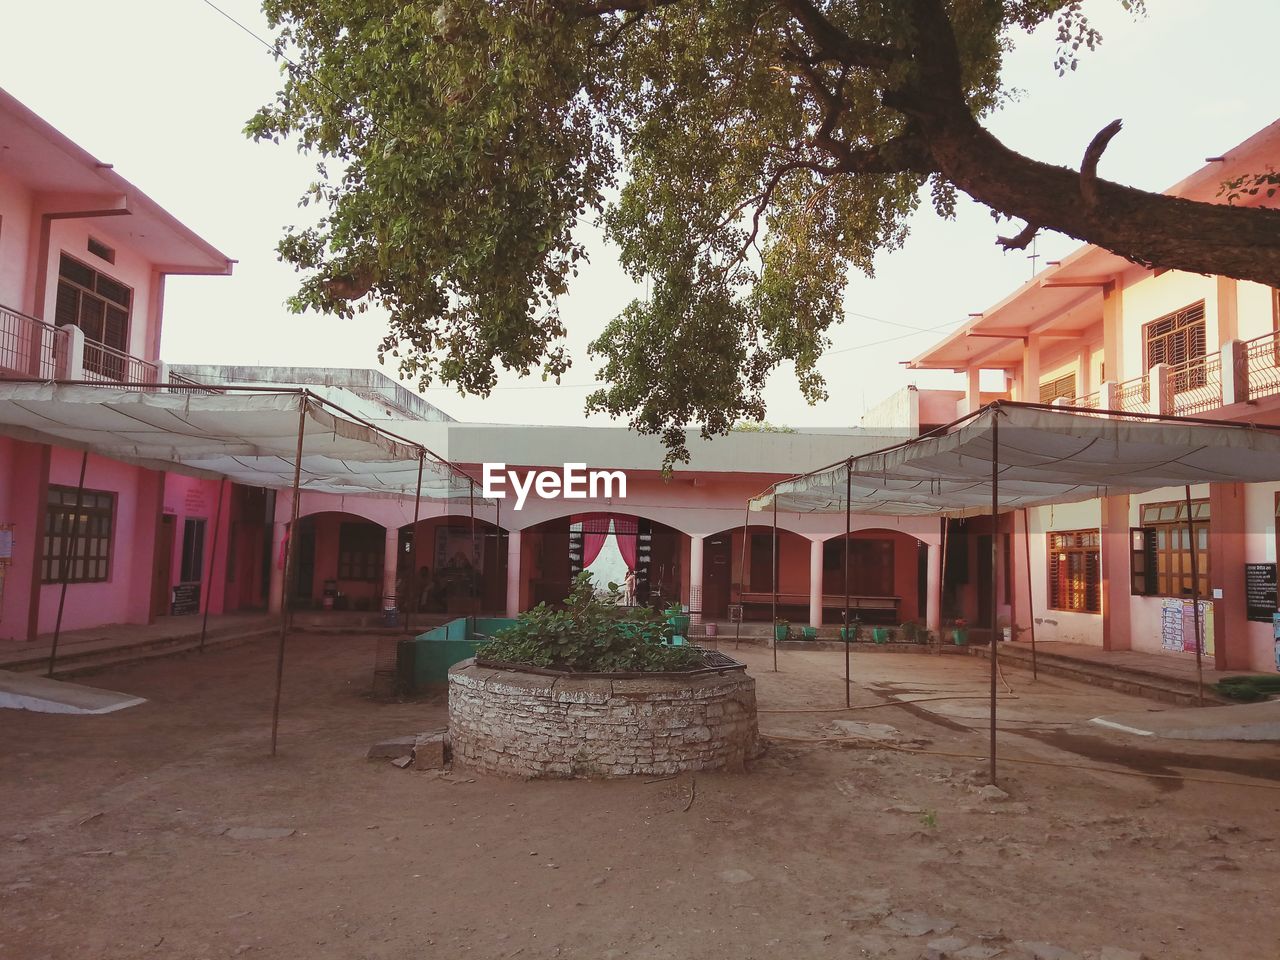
<point>595,531</point>
<point>626,528</point>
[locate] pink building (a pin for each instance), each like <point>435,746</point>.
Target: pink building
<point>83,259</point>
<point>1097,331</point>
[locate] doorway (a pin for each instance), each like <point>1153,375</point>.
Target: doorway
<point>162,567</point>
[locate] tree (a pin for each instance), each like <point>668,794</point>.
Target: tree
<point>743,155</point>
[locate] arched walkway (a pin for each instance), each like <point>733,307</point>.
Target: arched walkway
<point>340,562</point>
<point>885,567</point>
<point>734,575</point>
<point>445,568</point>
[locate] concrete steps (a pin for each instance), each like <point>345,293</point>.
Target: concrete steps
<point>1125,679</point>
<point>85,658</point>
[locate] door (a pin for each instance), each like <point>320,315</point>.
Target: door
<point>716,576</point>
<point>162,567</point>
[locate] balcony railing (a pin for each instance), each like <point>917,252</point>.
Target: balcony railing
<point>178,380</point>
<point>1196,385</point>
<point>110,365</point>
<point>1090,401</point>
<point>1262,365</point>
<point>31,347</point>
<point>1133,395</point>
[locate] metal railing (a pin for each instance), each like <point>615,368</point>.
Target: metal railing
<point>110,365</point>
<point>1196,385</point>
<point>1262,365</point>
<point>178,380</point>
<point>1090,401</point>
<point>1133,395</point>
<point>31,347</point>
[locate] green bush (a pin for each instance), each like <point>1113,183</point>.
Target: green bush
<point>1248,688</point>
<point>592,634</point>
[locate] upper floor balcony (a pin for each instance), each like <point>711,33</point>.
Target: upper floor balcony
<point>1241,372</point>
<point>39,350</point>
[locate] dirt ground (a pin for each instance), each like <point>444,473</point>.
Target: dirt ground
<point>114,837</point>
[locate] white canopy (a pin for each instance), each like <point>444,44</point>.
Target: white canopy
<point>248,437</point>
<point>1044,455</point>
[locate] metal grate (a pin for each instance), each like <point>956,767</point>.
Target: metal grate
<point>1262,364</point>
<point>1133,395</point>
<point>1091,401</point>
<point>110,365</point>
<point>717,659</point>
<point>1197,385</point>
<point>31,347</point>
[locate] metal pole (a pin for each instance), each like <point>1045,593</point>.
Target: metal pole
<point>773,580</point>
<point>213,559</point>
<point>848,627</point>
<point>475,591</point>
<point>942,577</point>
<point>742,577</point>
<point>289,553</point>
<point>1195,598</point>
<point>69,546</point>
<point>413,562</point>
<point>995,581</point>
<point>1031,597</point>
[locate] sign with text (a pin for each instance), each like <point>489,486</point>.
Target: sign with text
<point>1260,591</point>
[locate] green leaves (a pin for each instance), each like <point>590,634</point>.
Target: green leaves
<point>752,168</point>
<point>592,634</point>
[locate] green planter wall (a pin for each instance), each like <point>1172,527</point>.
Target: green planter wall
<point>426,658</point>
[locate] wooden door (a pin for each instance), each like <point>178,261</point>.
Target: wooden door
<point>162,567</point>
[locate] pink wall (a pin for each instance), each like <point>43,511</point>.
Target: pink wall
<point>15,242</point>
<point>190,497</point>
<point>23,468</point>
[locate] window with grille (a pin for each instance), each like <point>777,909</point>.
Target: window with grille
<point>360,547</point>
<point>82,536</point>
<point>100,307</point>
<point>1176,339</point>
<point>1075,571</point>
<point>1051,390</point>
<point>1160,548</point>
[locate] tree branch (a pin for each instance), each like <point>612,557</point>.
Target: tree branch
<point>1022,240</point>
<point>834,42</point>
<point>1089,165</point>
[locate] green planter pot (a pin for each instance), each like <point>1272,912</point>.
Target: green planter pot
<point>960,636</point>
<point>847,634</point>
<point>809,633</point>
<point>679,624</point>
<point>880,634</point>
<point>781,633</point>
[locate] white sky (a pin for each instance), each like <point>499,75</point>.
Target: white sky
<point>162,88</point>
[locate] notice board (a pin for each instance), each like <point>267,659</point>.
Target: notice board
<point>1260,591</point>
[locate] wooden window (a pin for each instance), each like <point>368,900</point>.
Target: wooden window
<point>100,307</point>
<point>1065,386</point>
<point>1161,550</point>
<point>85,536</point>
<point>871,567</point>
<point>360,548</point>
<point>193,549</point>
<point>1176,338</point>
<point>1075,571</point>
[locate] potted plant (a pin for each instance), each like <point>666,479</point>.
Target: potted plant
<point>809,633</point>
<point>678,619</point>
<point>850,633</point>
<point>959,632</point>
<point>781,629</point>
<point>881,634</point>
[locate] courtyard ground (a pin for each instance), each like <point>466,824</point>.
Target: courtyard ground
<point>117,839</point>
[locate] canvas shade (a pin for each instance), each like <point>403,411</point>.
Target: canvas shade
<point>250,438</point>
<point>1046,455</point>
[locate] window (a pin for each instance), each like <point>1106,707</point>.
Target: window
<point>193,550</point>
<point>100,307</point>
<point>1160,564</point>
<point>360,548</point>
<point>1175,339</point>
<point>84,537</point>
<point>871,567</point>
<point>101,250</point>
<point>1075,571</point>
<point>1065,386</point>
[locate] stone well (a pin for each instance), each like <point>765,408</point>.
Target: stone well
<point>536,724</point>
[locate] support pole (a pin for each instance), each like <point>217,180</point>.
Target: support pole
<point>289,553</point>
<point>475,570</point>
<point>69,546</point>
<point>1195,597</point>
<point>1031,596</point>
<point>848,626</point>
<point>742,577</point>
<point>412,579</point>
<point>213,559</point>
<point>773,580</point>
<point>942,578</point>
<point>995,581</point>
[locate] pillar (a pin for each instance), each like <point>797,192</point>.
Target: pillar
<point>1116,555</point>
<point>1029,386</point>
<point>973,390</point>
<point>696,546</point>
<point>815,583</point>
<point>513,573</point>
<point>275,595</point>
<point>1235,373</point>
<point>390,559</point>
<point>933,600</point>
<point>1161,386</point>
<point>1227,547</point>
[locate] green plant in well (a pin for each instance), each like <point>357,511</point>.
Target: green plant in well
<point>929,819</point>
<point>591,634</point>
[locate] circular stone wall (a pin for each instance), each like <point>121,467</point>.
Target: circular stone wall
<point>534,725</point>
